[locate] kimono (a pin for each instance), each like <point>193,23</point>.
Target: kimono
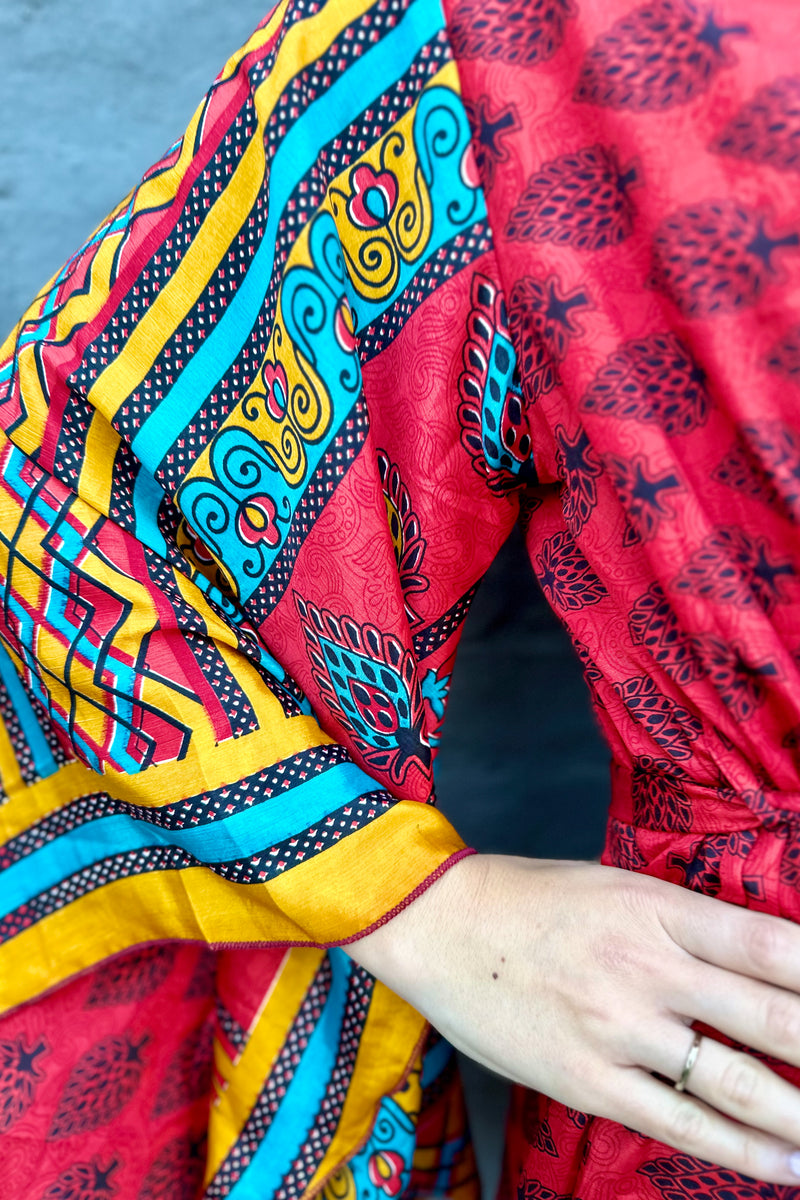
<point>412,274</point>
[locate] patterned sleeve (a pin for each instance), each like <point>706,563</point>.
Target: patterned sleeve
<point>238,514</point>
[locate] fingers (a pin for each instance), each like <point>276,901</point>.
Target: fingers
<point>756,1014</point>
<point>732,1083</point>
<point>694,1127</point>
<point>758,945</point>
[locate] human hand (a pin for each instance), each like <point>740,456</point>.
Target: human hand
<point>579,980</point>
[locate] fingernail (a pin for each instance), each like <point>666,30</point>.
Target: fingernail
<point>794,1163</point>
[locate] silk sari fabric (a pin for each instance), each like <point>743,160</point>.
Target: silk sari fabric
<point>410,276</point>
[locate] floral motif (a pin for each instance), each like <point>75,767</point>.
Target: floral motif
<point>764,463</point>
<point>645,494</point>
<point>578,467</point>
<point>512,31</point>
<point>658,56</point>
<point>276,389</point>
<point>671,726</point>
<point>257,521</point>
<point>623,849</point>
<point>699,864</point>
<point>579,200</point>
<point>131,976</point>
<point>101,1084</point>
<point>731,567</point>
<point>188,1075</point>
<point>653,380</point>
<point>373,198</point>
<point>382,1168</point>
<point>176,1171</point>
<point>740,683</point>
<point>344,327</point>
<point>385,1170</point>
<point>565,576</point>
<point>386,213</point>
<point>20,1075</point>
<point>658,796</point>
<point>240,511</point>
<point>542,317</point>
<point>679,1176</point>
<point>784,357</point>
<point>654,625</point>
<point>488,131</point>
<point>767,128</point>
<point>84,1181</point>
<point>716,257</point>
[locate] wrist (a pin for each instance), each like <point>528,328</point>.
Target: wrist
<point>403,951</point>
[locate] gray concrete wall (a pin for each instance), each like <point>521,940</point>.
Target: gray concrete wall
<point>91,93</point>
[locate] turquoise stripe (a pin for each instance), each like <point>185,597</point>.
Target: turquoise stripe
<point>288,1132</point>
<point>238,836</point>
<point>297,153</point>
<point>43,760</point>
<point>147,497</point>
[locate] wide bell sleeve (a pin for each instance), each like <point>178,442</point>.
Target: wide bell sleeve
<point>241,518</point>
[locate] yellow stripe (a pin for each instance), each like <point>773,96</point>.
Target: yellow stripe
<point>386,1049</point>
<point>193,905</point>
<point>302,44</point>
<point>403,847</point>
<point>257,39</point>
<point>97,473</point>
<point>198,905</point>
<point>27,805</point>
<point>280,346</point>
<point>28,434</point>
<point>229,1114</point>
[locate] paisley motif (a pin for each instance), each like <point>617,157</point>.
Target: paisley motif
<point>404,528</point>
<point>369,684</point>
<point>492,410</point>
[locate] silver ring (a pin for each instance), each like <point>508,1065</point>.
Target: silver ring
<point>691,1059</point>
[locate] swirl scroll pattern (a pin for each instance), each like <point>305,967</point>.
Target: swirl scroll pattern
<point>288,403</point>
<point>402,199</point>
<point>389,211</point>
<point>240,513</point>
<point>385,205</point>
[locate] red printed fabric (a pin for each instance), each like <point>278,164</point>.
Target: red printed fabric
<point>105,1085</point>
<point>641,165</point>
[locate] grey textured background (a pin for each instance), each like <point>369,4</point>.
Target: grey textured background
<point>92,92</point>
